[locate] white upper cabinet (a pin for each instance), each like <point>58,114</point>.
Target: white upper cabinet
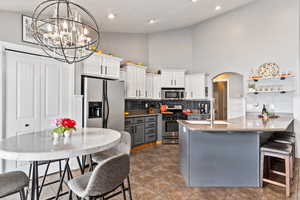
<point>149,86</point>
<point>195,86</point>
<point>173,78</point>
<point>102,65</point>
<point>156,86</point>
<point>135,81</point>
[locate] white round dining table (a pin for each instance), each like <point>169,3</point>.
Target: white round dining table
<point>42,146</point>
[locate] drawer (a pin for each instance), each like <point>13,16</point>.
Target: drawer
<point>150,138</point>
<point>150,131</point>
<point>150,125</point>
<point>150,119</point>
<point>139,120</point>
<point>129,122</point>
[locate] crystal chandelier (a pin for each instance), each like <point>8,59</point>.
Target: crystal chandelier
<point>65,30</point>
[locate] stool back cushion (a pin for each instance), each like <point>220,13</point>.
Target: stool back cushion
<point>125,143</point>
<point>108,175</point>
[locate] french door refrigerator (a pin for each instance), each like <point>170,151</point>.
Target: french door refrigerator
<point>103,104</point>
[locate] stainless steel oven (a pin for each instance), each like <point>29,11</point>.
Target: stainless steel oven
<point>170,125</point>
<point>173,93</point>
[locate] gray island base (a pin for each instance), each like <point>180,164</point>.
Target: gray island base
<point>226,155</point>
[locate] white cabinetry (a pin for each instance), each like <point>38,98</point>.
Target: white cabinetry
<point>173,78</point>
<point>149,86</point>
<point>135,81</point>
<point>195,86</point>
<point>102,65</point>
<point>156,86</point>
<point>37,90</point>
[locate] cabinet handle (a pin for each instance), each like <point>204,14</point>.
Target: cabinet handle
<point>171,82</point>
<point>136,93</point>
<point>101,67</point>
<point>106,70</point>
<point>175,82</point>
<point>27,125</point>
<point>140,92</point>
<point>146,94</point>
<point>192,94</point>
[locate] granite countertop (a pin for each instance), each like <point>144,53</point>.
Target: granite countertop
<point>247,123</point>
<point>140,114</point>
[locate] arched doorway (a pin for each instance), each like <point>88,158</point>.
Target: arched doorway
<point>228,93</point>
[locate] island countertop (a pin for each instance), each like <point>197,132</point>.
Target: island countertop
<point>246,123</point>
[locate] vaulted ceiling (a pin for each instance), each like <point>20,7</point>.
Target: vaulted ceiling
<point>132,16</point>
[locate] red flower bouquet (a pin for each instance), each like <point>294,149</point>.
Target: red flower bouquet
<point>63,125</point>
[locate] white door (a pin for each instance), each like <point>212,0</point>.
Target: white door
<point>22,94</point>
<point>56,91</point>
<point>22,98</point>
<point>178,79</point>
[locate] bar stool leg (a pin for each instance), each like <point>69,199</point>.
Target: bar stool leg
<point>291,167</point>
<point>287,176</point>
<point>262,156</point>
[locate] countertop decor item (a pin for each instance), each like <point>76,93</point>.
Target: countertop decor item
<point>65,30</point>
<point>268,69</point>
<point>64,126</point>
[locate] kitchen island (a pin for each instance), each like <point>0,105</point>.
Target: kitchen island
<point>226,155</point>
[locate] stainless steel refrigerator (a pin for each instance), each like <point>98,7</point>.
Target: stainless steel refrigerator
<point>104,103</point>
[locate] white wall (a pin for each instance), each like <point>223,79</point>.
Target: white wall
<point>264,31</point>
<point>133,47</point>
<point>171,49</point>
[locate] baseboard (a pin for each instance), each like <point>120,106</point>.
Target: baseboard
<point>142,146</point>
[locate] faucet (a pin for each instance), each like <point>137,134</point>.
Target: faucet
<point>212,111</point>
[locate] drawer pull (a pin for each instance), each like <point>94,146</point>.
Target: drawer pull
<point>27,125</point>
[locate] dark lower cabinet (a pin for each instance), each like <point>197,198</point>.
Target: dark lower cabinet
<point>139,134</point>
<point>142,129</point>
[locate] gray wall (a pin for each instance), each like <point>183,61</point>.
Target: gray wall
<point>264,31</point>
<point>11,24</point>
<point>133,47</point>
<point>171,49</point>
<point>129,46</point>
<point>267,30</point>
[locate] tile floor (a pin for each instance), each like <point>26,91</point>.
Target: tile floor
<point>155,176</point>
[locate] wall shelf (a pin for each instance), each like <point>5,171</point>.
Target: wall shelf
<point>275,78</point>
<point>271,92</point>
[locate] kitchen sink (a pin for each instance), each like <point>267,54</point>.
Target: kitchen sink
<point>206,122</point>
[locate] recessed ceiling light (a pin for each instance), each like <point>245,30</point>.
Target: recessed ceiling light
<point>218,7</point>
<point>194,1</point>
<point>152,21</point>
<point>111,16</point>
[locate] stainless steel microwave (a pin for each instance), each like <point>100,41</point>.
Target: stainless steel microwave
<point>173,93</point>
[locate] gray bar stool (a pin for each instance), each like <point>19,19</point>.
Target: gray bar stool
<point>277,150</point>
<point>282,139</point>
<point>108,176</point>
<point>13,182</point>
<point>123,147</point>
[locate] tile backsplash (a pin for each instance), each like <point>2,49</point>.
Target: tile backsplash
<point>140,105</point>
<point>278,103</point>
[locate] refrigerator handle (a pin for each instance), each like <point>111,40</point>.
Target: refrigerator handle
<point>107,115</point>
